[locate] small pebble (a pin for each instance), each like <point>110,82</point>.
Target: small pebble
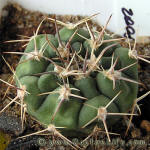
<point>135,133</point>
<point>145,124</point>
<point>11,124</point>
<point>4,13</point>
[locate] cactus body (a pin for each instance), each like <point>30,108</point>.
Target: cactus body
<point>80,91</point>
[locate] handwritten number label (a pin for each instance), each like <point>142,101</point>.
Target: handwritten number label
<point>127,12</point>
<point>129,22</point>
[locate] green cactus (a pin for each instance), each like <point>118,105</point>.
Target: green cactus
<point>71,80</point>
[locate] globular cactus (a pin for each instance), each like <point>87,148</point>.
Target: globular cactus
<point>77,79</point>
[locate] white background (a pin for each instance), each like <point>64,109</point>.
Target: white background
<point>117,24</point>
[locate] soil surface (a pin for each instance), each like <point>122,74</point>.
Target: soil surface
<point>18,23</point>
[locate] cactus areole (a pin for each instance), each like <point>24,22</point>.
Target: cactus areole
<point>77,79</point>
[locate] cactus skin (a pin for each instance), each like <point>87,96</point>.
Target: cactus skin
<point>88,113</point>
<point>64,118</point>
<point>98,90</point>
<point>66,33</point>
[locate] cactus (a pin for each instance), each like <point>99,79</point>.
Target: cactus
<point>77,79</point>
